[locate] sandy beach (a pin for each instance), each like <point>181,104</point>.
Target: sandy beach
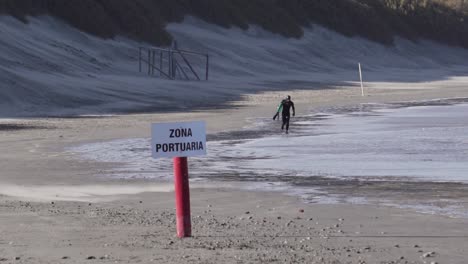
<point>56,208</point>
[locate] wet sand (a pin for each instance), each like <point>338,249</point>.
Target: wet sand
<point>48,216</point>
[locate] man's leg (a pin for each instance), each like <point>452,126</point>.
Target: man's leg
<point>287,122</point>
<point>284,121</point>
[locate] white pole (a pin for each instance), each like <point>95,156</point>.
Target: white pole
<point>360,77</point>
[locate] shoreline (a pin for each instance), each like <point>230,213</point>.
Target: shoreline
<point>137,225</point>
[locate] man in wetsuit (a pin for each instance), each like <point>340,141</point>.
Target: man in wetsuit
<point>285,106</point>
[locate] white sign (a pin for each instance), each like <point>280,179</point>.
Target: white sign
<point>182,139</point>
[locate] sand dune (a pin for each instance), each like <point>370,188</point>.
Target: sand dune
<point>49,68</point>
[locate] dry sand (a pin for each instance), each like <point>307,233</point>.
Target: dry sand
<point>57,209</point>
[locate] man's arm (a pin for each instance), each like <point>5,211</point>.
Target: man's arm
<point>294,109</point>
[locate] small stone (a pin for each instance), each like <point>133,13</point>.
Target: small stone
<point>279,217</point>
<point>17,258</point>
<point>428,254</point>
<point>209,206</point>
<point>301,210</point>
<point>416,246</point>
<point>65,257</point>
<point>3,259</point>
<point>310,219</point>
<point>89,204</point>
<point>247,212</point>
<point>91,257</point>
<point>434,262</point>
<point>341,219</point>
<point>397,246</point>
<point>141,202</point>
<point>52,202</point>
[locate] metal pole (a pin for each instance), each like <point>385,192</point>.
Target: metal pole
<point>207,65</point>
<point>152,68</point>
<point>173,65</point>
<point>360,77</point>
<point>149,62</point>
<point>182,193</point>
<point>161,62</point>
<point>180,69</point>
<point>169,64</point>
<point>188,64</point>
<point>139,58</point>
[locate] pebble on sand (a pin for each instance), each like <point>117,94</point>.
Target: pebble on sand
<point>428,254</point>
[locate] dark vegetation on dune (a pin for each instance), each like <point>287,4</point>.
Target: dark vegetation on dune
<point>378,20</point>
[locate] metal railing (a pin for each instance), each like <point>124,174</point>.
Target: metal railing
<point>173,63</point>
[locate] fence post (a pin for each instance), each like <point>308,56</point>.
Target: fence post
<point>153,54</point>
<point>161,62</point>
<point>360,77</point>
<point>139,59</point>
<point>207,65</point>
<point>174,66</point>
<point>149,62</point>
<point>169,70</point>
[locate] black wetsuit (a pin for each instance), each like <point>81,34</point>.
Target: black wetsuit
<point>286,105</point>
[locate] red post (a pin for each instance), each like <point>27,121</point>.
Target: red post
<point>184,225</point>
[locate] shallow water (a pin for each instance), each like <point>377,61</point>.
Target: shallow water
<point>388,147</point>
